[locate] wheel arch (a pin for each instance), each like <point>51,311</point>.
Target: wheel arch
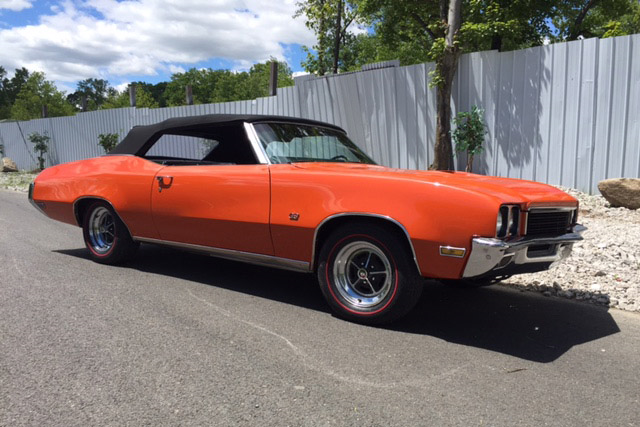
<point>81,205</point>
<point>332,222</point>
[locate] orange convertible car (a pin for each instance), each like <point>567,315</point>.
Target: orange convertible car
<point>298,194</point>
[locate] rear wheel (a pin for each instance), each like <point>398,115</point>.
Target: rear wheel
<point>367,274</point>
<point>105,235</point>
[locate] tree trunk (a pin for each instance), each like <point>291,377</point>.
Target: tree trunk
<point>321,38</point>
<point>469,167</point>
<point>443,158</point>
<point>577,25</point>
<point>446,67</point>
<point>496,42</point>
<point>337,36</point>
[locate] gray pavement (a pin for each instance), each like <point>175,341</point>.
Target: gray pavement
<point>180,339</point>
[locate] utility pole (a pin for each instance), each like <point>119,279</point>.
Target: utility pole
<point>132,94</point>
<point>273,78</point>
<point>189,93</point>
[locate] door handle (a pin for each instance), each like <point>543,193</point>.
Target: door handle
<point>162,183</point>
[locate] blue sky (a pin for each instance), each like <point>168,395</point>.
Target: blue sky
<point>148,40</point>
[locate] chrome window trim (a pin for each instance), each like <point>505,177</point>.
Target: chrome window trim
<point>234,255</point>
<point>257,147</point>
<point>359,214</point>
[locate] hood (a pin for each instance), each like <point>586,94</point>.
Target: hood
<point>507,190</point>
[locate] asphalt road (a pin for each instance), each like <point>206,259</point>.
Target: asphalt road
<point>180,339</point>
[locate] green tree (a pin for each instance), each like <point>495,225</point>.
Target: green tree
<point>595,18</point>
<point>440,30</point>
<point>5,105</point>
<point>9,89</point>
<point>96,92</point>
<point>37,92</point>
<point>223,85</point>
<point>329,20</point>
<point>157,91</point>
<point>370,48</point>
<point>435,25</point>
<point>255,83</point>
<point>144,99</point>
<point>505,24</point>
<point>628,23</point>
<point>19,79</point>
<point>202,82</point>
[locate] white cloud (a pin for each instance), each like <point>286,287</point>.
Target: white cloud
<point>122,86</point>
<point>16,5</point>
<point>174,69</point>
<point>98,38</point>
<point>356,28</point>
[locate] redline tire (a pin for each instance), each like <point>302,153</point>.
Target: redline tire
<point>367,274</point>
<point>106,237</point>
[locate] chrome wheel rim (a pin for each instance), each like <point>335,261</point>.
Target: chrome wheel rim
<point>362,274</point>
<point>101,230</point>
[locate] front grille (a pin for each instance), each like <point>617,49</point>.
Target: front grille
<point>548,223</point>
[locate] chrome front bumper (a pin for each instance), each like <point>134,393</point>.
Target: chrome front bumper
<point>495,257</point>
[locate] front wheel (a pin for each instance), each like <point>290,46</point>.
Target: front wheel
<point>367,274</point>
<point>105,235</point>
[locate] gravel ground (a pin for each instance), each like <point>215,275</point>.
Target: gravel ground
<point>604,269</point>
<point>16,181</point>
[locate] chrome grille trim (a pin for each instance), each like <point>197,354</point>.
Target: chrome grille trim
<point>549,221</point>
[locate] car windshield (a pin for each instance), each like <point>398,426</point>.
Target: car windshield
<point>291,142</point>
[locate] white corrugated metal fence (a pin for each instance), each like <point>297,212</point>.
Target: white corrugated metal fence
<point>567,113</point>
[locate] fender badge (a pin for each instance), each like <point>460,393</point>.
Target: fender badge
<point>294,216</point>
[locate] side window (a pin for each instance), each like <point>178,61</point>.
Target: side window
<point>182,147</point>
<point>202,145</point>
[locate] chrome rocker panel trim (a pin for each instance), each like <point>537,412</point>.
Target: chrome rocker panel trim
<point>489,256</point>
<point>251,258</point>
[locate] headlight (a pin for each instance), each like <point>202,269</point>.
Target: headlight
<point>508,222</point>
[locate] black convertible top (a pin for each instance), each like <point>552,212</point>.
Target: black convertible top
<point>138,136</point>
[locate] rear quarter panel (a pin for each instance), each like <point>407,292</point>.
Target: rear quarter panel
<point>124,181</point>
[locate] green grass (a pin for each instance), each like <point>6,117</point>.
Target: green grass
<point>16,181</point>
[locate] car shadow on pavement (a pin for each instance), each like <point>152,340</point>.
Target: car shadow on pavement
<point>497,318</point>
<point>507,320</point>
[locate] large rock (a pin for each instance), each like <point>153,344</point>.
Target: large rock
<point>9,165</point>
<point>621,192</point>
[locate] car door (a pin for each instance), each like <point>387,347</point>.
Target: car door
<point>220,206</point>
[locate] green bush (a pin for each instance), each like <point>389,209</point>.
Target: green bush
<point>41,143</point>
<point>469,133</point>
<point>108,141</point>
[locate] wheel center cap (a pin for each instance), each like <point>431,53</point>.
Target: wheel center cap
<point>362,273</point>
